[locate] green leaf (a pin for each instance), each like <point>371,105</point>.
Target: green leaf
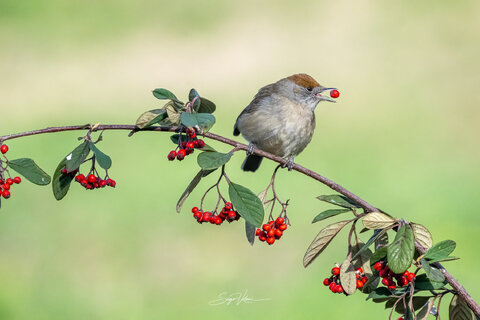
<point>440,250</point>
<point>151,117</point>
<point>202,120</point>
<point>164,94</point>
<point>77,156</point>
<point>347,276</point>
<point>173,113</point>
<point>432,273</point>
<point>400,252</point>
<point>246,203</point>
<point>417,302</point>
<point>213,160</point>
<point>422,235</point>
<point>361,258</point>
<point>339,200</point>
<point>329,213</point>
<point>61,182</point>
<point>191,96</point>
<point>425,311</point>
<point>423,283</point>
<point>30,170</point>
<point>377,220</point>
<point>371,285</point>
<point>206,106</point>
<point>379,293</point>
<point>103,160</point>
<point>378,255</point>
<point>458,310</point>
<point>201,174</point>
<point>250,232</point>
<point>322,240</point>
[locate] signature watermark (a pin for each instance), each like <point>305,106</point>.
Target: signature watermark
<point>235,298</point>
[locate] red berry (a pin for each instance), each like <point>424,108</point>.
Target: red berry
<point>201,144</point>
<point>278,233</point>
<point>181,154</point>
<point>336,271</point>
<point>262,237</point>
<point>326,281</point>
<point>339,289</point>
<point>378,266</point>
<point>334,93</point>
<point>283,227</point>
<point>64,171</point>
<point>172,155</point>
<point>411,276</point>
<point>279,221</point>
<point>333,287</point>
<point>191,133</point>
<point>360,283</point>
<point>258,231</point>
<point>401,318</point>
<point>386,281</point>
<point>91,178</point>
<point>113,183</point>
<point>392,286</point>
<point>194,209</point>
<point>271,233</point>
<point>228,206</point>
<point>9,181</point>
<point>197,214</point>
<point>6,186</point>
<point>4,148</point>
<point>266,227</point>
<point>218,220</point>
<point>232,215</point>
<point>190,145</point>
<point>270,240</point>
<point>403,281</point>
<point>364,279</point>
<point>359,270</point>
<point>6,194</point>
<point>383,273</point>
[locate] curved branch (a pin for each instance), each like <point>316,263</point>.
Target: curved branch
<point>460,290</point>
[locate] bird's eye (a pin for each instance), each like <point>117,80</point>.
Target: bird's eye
<point>309,88</point>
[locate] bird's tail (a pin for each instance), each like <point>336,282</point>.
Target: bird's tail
<point>251,163</point>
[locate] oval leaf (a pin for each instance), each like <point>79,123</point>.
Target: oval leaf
<point>339,200</point>
<point>151,117</point>
<point>458,310</point>
<point>78,155</point>
<point>173,114</point>
<point>213,160</point>
<point>432,272</point>
<point>440,250</point>
<point>194,96</point>
<point>206,106</point>
<point>329,213</point>
<point>422,235</point>
<point>347,277</point>
<point>61,182</point>
<point>164,94</point>
<point>321,241</point>
<point>379,293</point>
<point>246,203</point>
<point>378,255</point>
<point>30,170</point>
<point>103,160</point>
<point>377,220</point>
<point>423,283</point>
<point>204,121</point>
<point>400,252</point>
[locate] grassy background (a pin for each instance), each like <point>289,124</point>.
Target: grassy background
<point>404,136</point>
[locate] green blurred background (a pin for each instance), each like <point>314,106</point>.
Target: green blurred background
<point>403,136</point>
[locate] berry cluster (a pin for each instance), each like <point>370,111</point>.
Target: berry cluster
<point>334,93</point>
<point>333,283</point>
<point>6,184</point>
<point>91,181</point>
<point>227,213</point>
<point>389,277</point>
<point>271,230</point>
<point>186,147</point>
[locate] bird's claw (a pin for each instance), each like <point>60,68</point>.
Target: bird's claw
<point>250,149</point>
<point>289,164</point>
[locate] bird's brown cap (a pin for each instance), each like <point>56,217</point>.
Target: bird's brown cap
<point>304,80</point>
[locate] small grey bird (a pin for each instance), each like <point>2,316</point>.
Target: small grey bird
<point>280,119</point>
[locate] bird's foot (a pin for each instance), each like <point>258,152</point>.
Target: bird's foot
<point>250,149</point>
<point>289,164</point>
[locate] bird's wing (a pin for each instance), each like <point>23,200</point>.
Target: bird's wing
<point>262,94</point>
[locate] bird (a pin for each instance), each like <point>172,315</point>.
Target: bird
<point>280,119</point>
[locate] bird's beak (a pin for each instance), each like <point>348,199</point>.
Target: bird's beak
<point>325,98</point>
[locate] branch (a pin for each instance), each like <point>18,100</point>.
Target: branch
<point>460,290</point>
